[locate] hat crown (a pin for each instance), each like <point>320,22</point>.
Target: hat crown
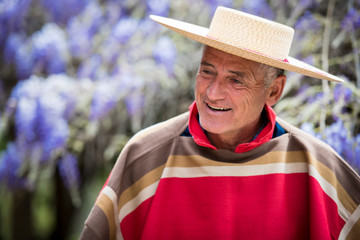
<point>251,33</point>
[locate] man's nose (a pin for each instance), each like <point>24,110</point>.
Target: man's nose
<point>216,90</point>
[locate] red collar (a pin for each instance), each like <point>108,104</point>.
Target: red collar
<point>201,139</point>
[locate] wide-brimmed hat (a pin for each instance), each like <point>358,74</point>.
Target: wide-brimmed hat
<point>248,36</point>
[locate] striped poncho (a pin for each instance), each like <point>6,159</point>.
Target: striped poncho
<point>165,186</point>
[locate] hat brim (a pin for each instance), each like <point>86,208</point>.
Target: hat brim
<point>199,34</point>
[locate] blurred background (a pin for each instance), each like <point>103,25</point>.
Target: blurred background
<point>78,78</point>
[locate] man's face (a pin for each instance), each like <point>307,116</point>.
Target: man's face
<point>229,93</point>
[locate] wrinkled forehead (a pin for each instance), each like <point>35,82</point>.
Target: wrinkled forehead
<point>231,62</point>
<point>210,52</point>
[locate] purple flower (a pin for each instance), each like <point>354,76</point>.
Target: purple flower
<point>25,94</point>
<point>10,167</point>
<point>43,107</point>
<point>113,11</point>
<point>258,7</point>
<point>306,4</point>
<point>125,29</point>
<point>50,51</point>
<point>89,67</point>
<point>336,135</point>
<point>215,3</point>
<point>105,97</point>
<point>157,7</point>
<point>69,171</point>
<point>165,53</point>
<point>12,14</point>
<point>24,61</point>
<point>82,28</point>
<point>303,89</point>
<point>13,43</point>
<point>351,20</point>
<point>134,102</point>
<point>62,11</point>
<point>318,97</point>
<point>307,24</point>
<point>341,92</point>
<point>51,128</point>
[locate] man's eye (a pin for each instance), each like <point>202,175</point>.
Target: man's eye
<point>207,72</point>
<point>237,82</point>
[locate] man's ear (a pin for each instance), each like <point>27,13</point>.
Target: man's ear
<point>275,90</point>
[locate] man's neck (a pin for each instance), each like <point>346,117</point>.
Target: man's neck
<point>231,140</point>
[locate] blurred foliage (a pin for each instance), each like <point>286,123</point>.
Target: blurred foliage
<point>79,78</point>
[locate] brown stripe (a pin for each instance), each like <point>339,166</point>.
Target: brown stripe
<point>142,183</point>
<point>106,205</point>
<point>354,234</point>
<point>96,223</point>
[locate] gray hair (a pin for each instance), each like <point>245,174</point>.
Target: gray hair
<point>270,73</point>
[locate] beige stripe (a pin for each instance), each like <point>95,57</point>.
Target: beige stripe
<point>270,158</point>
<point>234,171</point>
<point>331,178</point>
<point>135,202</point>
<point>106,205</point>
<point>331,191</point>
<point>349,231</point>
<point>108,191</point>
<point>139,185</point>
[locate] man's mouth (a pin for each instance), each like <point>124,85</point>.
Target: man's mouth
<point>213,108</point>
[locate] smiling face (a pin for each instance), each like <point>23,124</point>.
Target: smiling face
<point>230,95</point>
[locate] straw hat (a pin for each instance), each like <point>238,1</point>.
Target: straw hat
<point>250,37</point>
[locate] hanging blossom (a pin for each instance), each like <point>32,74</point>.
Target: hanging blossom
<point>125,29</point>
<point>12,15</point>
<point>258,7</point>
<point>306,27</point>
<point>62,11</point>
<point>45,52</point>
<point>50,50</point>
<point>351,20</point>
<point>165,53</point>
<point>82,29</point>
<point>43,109</point>
<point>105,97</point>
<point>69,171</point>
<point>157,7</point>
<point>10,168</point>
<point>213,4</point>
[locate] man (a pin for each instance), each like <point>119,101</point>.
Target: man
<point>229,168</point>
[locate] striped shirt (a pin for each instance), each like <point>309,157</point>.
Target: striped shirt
<point>166,186</point>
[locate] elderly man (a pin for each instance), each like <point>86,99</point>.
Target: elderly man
<point>229,168</point>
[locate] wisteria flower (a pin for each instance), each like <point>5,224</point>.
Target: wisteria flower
<point>157,7</point>
<point>165,53</point>
<point>125,29</point>
<point>258,7</point>
<point>56,9</point>
<point>50,50</point>
<point>81,30</point>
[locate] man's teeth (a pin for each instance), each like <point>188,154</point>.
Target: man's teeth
<point>218,109</point>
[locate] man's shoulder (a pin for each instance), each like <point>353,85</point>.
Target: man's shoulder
<point>162,132</point>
